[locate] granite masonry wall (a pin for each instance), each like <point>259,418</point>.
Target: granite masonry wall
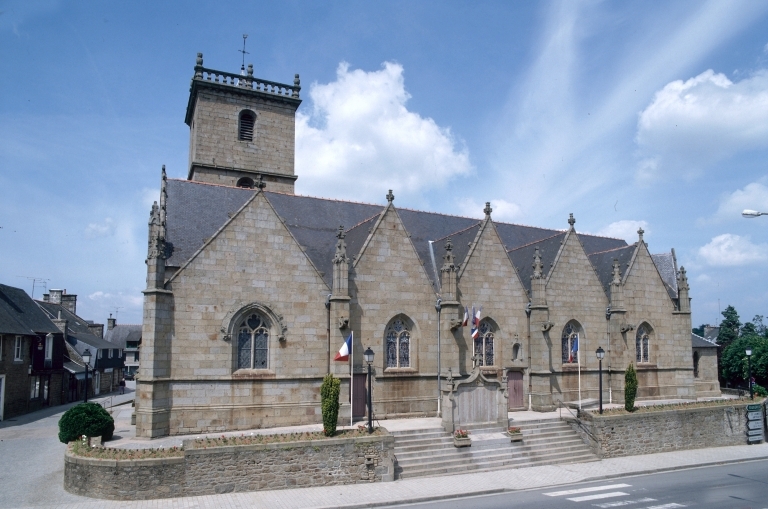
<point>215,470</point>
<point>677,429</point>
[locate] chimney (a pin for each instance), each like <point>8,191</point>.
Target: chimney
<point>69,302</point>
<point>61,324</point>
<point>111,322</point>
<point>46,297</point>
<point>97,329</point>
<point>55,296</point>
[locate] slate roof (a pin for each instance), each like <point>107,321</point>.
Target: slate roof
<point>195,211</point>
<point>122,333</point>
<point>700,342</point>
<point>78,334</point>
<point>602,261</point>
<point>20,315</point>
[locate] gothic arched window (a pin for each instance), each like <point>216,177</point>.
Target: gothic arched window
<point>642,343</point>
<point>571,344</point>
<point>245,129</point>
<point>253,342</point>
<point>484,344</point>
<point>398,347</point>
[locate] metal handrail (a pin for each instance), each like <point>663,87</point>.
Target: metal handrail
<point>576,417</point>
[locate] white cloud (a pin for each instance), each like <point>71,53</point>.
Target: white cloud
<point>625,229</point>
<point>703,278</point>
<point>104,229</point>
<point>360,131</point>
<point>729,250</point>
<point>503,210</point>
<point>753,196</point>
<point>692,124</point>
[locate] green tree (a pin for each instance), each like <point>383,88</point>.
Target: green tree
<point>329,403</point>
<point>748,329</point>
<point>729,327</point>
<point>630,388</point>
<point>733,363</point>
<point>699,331</point>
<point>760,326</point>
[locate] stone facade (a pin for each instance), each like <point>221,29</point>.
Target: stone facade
<point>215,470</point>
<point>664,430</point>
<point>221,258</point>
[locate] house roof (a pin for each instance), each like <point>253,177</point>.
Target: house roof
<point>602,261</point>
<point>665,262</point>
<point>700,342</point>
<point>122,333</point>
<point>78,334</point>
<point>195,211</point>
<point>20,315</point>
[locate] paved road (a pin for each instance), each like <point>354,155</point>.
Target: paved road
<point>737,485</point>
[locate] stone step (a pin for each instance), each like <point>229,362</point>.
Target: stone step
<point>409,432</point>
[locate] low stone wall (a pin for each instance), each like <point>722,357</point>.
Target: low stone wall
<point>663,430</point>
<point>212,470</point>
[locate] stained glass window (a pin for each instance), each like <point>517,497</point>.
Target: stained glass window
<point>253,343</point>
<point>641,344</point>
<point>398,347</point>
<point>570,344</point>
<point>484,344</point>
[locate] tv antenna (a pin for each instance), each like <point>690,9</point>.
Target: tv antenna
<point>117,309</point>
<point>36,281</point>
<point>242,66</point>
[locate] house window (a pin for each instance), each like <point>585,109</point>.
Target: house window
<point>245,130</point>
<point>570,343</point>
<point>398,347</point>
<point>484,344</point>
<point>18,355</point>
<point>48,347</point>
<point>253,343</point>
<point>109,353</point>
<point>34,389</point>
<point>641,343</point>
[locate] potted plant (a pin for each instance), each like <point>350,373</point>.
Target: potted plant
<point>515,434</point>
<point>461,438</point>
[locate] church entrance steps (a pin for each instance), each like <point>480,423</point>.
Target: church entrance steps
<point>430,452</point>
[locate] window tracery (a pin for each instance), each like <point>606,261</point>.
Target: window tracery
<point>484,344</point>
<point>642,343</point>
<point>570,342</point>
<point>398,344</point>
<point>253,342</point>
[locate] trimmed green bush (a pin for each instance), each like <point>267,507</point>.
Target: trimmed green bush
<point>329,399</point>
<point>88,419</point>
<point>759,390</point>
<point>630,388</point>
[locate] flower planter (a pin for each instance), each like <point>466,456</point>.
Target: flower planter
<point>462,442</point>
<point>515,437</point>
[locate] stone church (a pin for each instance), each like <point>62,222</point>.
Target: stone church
<point>252,289</point>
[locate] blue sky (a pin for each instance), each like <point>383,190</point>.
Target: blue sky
<point>627,114</point>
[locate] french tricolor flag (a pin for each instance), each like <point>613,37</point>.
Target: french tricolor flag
<point>465,322</point>
<point>475,322</point>
<point>344,351</point>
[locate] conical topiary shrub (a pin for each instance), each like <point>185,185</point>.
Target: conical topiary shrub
<point>630,388</point>
<point>329,401</point>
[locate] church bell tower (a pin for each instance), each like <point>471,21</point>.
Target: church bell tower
<point>241,129</point>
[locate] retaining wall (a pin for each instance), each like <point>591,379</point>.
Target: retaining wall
<point>213,470</point>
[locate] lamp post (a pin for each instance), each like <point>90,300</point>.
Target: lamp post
<point>600,354</point>
<point>86,360</point>
<point>438,308</point>
<point>749,373</point>
<point>368,356</point>
<point>751,214</point>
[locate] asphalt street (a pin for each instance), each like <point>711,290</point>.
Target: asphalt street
<point>738,485</point>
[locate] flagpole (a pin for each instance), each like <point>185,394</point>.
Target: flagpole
<point>578,355</point>
<point>351,380</point>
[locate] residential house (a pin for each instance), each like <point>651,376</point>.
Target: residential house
<point>128,338</point>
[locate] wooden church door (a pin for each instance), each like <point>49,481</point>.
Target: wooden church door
<point>515,390</point>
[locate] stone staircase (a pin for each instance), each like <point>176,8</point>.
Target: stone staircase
<point>430,452</point>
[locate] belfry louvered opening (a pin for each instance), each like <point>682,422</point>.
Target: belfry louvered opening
<point>247,121</point>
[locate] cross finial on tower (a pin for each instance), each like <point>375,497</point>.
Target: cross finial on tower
<point>616,272</point>
<point>487,209</point>
<point>571,220</point>
<point>242,67</point>
<point>390,197</point>
<point>640,234</point>
<point>340,234</point>
<point>538,270</point>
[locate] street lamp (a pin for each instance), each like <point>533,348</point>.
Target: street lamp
<point>749,373</point>
<point>600,354</point>
<point>86,360</point>
<point>750,214</point>
<point>368,356</point>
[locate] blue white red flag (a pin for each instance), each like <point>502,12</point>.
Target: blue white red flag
<point>574,349</point>
<point>466,317</point>
<point>346,348</point>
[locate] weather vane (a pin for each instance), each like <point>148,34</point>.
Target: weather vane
<point>242,66</point>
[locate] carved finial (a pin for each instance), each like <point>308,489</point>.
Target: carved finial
<point>341,246</point>
<point>640,234</point>
<point>250,70</point>
<point>199,67</point>
<point>487,209</point>
<point>682,279</point>
<point>199,59</point>
<point>163,197</point>
<point>260,184</point>
<point>448,260</point>
<point>448,245</point>
<point>616,273</point>
<point>296,85</point>
<point>390,197</point>
<point>571,220</point>
<point>538,270</point>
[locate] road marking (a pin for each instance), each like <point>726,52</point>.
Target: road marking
<point>586,490</point>
<point>598,496</point>
<point>665,506</point>
<point>620,503</point>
